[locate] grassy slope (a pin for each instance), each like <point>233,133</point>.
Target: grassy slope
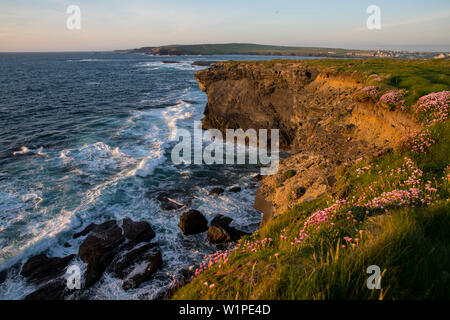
<point>408,236</point>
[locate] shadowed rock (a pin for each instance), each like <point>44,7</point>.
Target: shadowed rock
<point>216,191</point>
<point>168,204</point>
<point>54,290</point>
<point>257,178</point>
<point>106,240</point>
<point>193,222</point>
<point>203,63</point>
<point>137,231</point>
<point>220,231</point>
<point>99,249</point>
<point>41,268</point>
<point>137,265</point>
<point>235,189</point>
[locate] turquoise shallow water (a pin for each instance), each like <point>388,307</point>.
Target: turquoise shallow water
<point>86,137</point>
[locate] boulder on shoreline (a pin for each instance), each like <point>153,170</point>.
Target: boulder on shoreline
<point>193,222</point>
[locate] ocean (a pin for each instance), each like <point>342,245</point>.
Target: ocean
<point>86,137</point>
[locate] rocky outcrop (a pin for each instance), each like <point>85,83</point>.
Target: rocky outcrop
<point>106,240</point>
<point>122,247</point>
<point>320,122</point>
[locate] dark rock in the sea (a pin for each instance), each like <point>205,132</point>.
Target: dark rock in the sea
<point>216,191</point>
<point>99,249</point>
<point>67,245</point>
<point>204,63</point>
<point>168,204</point>
<point>218,235</point>
<point>220,231</point>
<point>94,227</point>
<point>168,61</point>
<point>3,275</point>
<point>41,268</point>
<point>137,265</point>
<point>54,290</point>
<point>137,231</point>
<point>221,221</point>
<point>257,178</point>
<point>235,189</point>
<point>193,222</point>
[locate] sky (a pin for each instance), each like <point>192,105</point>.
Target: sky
<point>40,25</point>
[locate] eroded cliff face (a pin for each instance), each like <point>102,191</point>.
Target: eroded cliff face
<point>320,123</point>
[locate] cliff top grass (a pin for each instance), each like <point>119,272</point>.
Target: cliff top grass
<point>417,77</point>
<point>391,211</point>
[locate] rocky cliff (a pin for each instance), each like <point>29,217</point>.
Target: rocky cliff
<point>320,122</point>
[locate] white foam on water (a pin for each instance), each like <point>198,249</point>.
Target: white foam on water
<point>25,151</point>
<point>179,65</point>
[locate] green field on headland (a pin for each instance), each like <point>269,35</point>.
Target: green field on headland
<point>249,49</point>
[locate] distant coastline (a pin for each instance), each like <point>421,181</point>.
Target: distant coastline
<point>269,50</point>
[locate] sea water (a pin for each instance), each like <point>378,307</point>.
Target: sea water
<point>86,137</point>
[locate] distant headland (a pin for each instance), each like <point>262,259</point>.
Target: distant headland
<point>270,50</point>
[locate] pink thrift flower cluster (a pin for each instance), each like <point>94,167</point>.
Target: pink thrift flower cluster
<point>434,107</point>
<point>352,242</point>
<point>403,177</point>
<point>393,98</point>
<point>366,93</point>
<point>221,257</point>
<point>418,141</point>
<point>447,174</point>
<point>253,246</point>
<point>325,216</point>
<point>396,198</point>
<point>361,171</point>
